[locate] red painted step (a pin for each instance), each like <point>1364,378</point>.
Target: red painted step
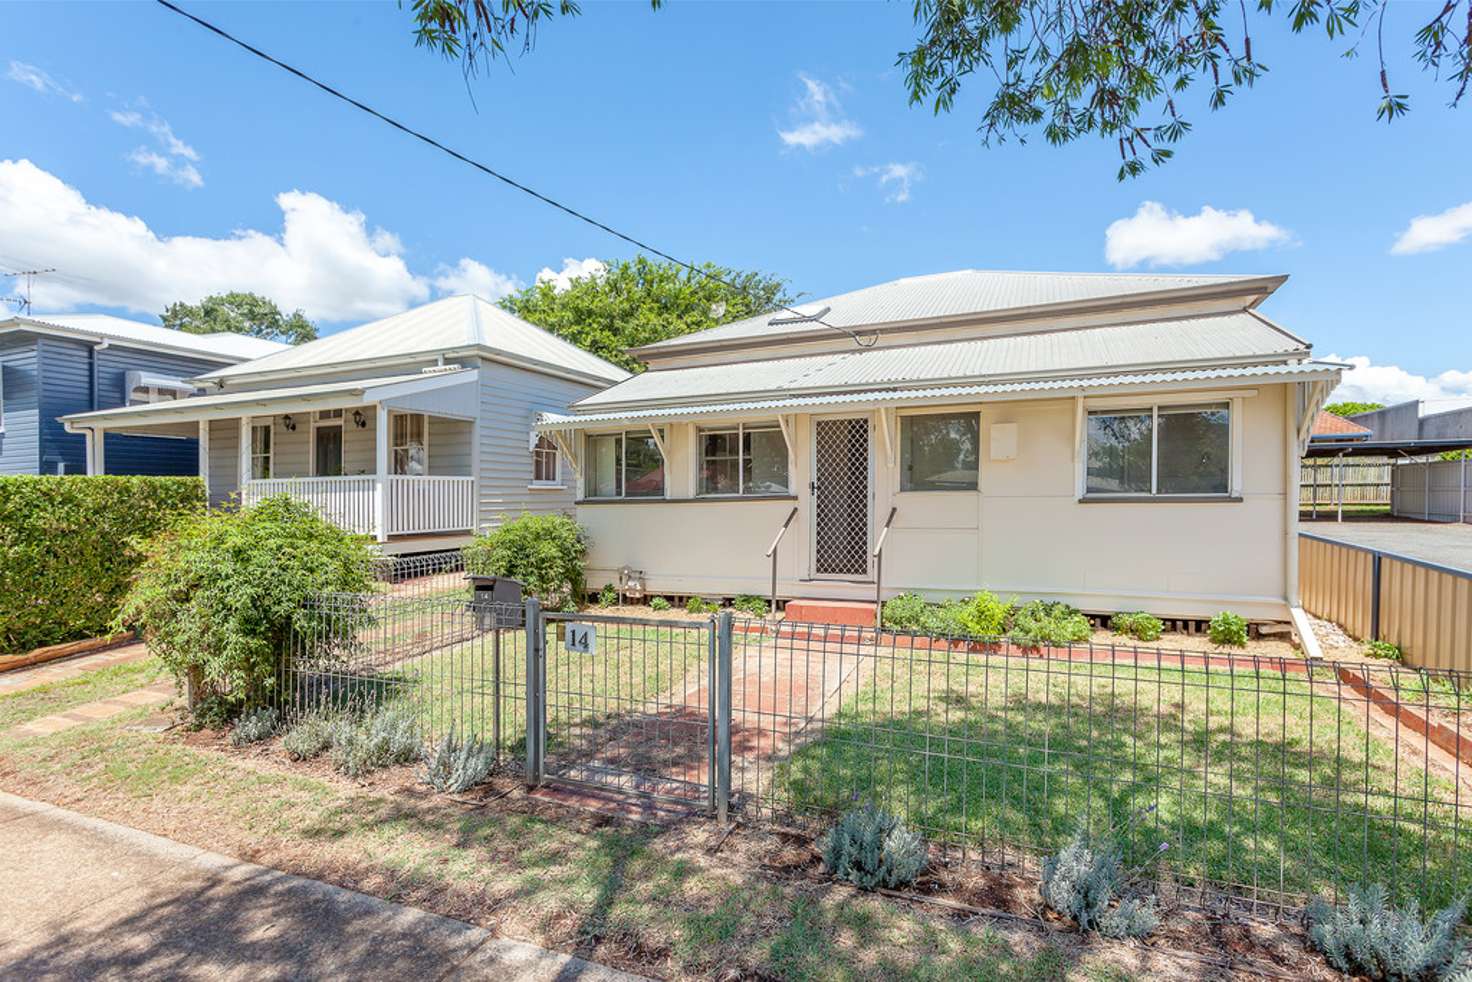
<point>855,612</point>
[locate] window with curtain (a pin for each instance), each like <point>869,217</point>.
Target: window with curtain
<point>1160,450</point>
<point>743,460</point>
<point>409,443</point>
<point>545,462</point>
<point>625,465</point>
<point>940,452</point>
<point>260,451</point>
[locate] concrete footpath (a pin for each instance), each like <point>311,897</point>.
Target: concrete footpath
<point>87,899</point>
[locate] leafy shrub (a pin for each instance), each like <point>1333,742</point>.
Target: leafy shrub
<point>385,737</point>
<point>608,596</point>
<point>255,726</point>
<point>1227,630</point>
<point>909,612</point>
<point>311,737</point>
<point>68,547</point>
<point>871,848</point>
<point>1082,882</point>
<point>984,615</point>
<point>1383,649</point>
<point>749,603</point>
<point>658,603</point>
<point>454,766</point>
<point>219,595</point>
<point>697,605</point>
<point>1044,623</point>
<point>1138,625</point>
<point>1368,937</point>
<point>544,552</point>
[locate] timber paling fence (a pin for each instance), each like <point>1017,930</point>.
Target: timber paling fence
<point>1230,781</point>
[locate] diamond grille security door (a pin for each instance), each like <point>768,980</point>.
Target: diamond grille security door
<point>841,497</point>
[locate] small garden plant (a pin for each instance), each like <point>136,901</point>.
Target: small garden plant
<point>871,848</point>
<point>312,736</point>
<point>1085,881</point>
<point>1227,630</point>
<point>1366,936</point>
<point>1138,625</point>
<point>608,596</point>
<point>658,603</point>
<point>255,726</point>
<point>698,605</point>
<point>751,604</point>
<point>1383,649</point>
<point>1043,623</point>
<point>455,765</point>
<point>984,615</point>
<point>385,737</point>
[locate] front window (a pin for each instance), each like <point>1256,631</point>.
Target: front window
<point>260,451</point>
<point>743,460</point>
<point>545,462</point>
<point>1160,450</point>
<point>940,452</point>
<point>625,465</point>
<point>410,444</point>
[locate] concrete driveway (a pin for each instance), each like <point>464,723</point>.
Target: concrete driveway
<point>87,899</point>
<point>1435,542</point>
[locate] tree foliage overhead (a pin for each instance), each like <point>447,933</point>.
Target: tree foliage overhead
<point>640,301</point>
<point>239,313</point>
<point>1117,69</point>
<point>1350,408</point>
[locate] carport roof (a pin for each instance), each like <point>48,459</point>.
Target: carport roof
<point>1385,448</point>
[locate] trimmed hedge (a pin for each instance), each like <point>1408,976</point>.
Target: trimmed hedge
<point>68,549</point>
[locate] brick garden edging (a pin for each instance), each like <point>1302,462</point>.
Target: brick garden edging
<point>1444,737</point>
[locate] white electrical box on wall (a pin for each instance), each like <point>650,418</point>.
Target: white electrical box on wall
<point>1004,441</point>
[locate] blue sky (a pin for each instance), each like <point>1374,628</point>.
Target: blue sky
<point>164,162</point>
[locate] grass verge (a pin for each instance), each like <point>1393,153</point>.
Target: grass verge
<point>58,697</point>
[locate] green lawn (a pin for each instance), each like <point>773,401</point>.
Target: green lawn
<point>58,697</point>
<point>1258,780</point>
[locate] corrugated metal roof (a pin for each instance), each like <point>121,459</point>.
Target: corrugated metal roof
<point>1198,339</point>
<point>1041,387</point>
<point>266,397</point>
<point>444,325</point>
<point>965,291</point>
<point>223,345</point>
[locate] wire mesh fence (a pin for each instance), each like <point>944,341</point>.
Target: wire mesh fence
<point>1266,780</point>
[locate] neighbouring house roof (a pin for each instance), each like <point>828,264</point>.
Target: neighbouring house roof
<point>1328,426</point>
<point>959,294</point>
<point>222,346</point>
<point>455,324</point>
<point>1235,338</point>
<point>297,398</point>
<point>1023,388</point>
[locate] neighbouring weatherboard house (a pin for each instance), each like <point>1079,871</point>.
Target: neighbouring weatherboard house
<point>52,365</point>
<point>1118,442</point>
<point>416,429</point>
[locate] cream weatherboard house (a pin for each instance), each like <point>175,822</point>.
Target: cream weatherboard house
<point>416,429</point>
<point>1118,442</point>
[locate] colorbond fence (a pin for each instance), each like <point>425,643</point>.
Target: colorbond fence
<point>1423,608</point>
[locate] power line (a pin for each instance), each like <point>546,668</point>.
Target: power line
<point>491,172</point>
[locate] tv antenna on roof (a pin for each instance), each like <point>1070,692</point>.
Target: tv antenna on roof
<point>23,302</point>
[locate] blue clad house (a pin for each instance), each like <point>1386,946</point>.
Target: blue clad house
<point>55,364</point>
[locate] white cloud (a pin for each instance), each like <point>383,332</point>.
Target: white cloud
<point>895,179</point>
<point>159,127</point>
<point>183,173</point>
<point>572,269</point>
<point>1390,384</point>
<point>470,276</point>
<point>818,118</point>
<point>34,78</point>
<point>1428,232</point>
<point>1161,237</point>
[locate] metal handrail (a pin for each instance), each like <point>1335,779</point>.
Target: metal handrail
<point>879,569</point>
<point>772,555</point>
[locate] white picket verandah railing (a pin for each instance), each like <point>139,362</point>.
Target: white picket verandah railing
<point>415,505</point>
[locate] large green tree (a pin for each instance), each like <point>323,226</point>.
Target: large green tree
<point>1117,69</point>
<point>1351,408</point>
<point>640,301</point>
<point>239,313</point>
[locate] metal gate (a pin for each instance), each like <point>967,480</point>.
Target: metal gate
<point>840,491</point>
<point>631,705</point>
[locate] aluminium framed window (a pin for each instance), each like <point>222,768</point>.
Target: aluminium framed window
<point>1159,450</point>
<point>624,465</point>
<point>940,451</point>
<point>744,460</point>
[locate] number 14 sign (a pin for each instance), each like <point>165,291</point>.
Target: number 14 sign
<point>582,638</point>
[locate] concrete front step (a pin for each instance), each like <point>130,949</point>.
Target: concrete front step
<point>858,613</point>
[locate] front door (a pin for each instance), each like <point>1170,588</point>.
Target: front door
<point>840,491</point>
<point>329,451</point>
